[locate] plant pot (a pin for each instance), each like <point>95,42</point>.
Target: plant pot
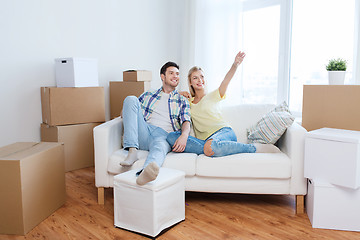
<point>336,77</point>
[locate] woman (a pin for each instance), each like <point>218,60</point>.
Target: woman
<point>214,136</point>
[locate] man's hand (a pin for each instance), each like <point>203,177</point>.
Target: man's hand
<point>180,143</point>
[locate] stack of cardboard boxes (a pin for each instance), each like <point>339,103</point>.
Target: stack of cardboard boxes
<point>332,164</point>
<point>70,113</point>
<point>32,174</point>
<point>135,82</point>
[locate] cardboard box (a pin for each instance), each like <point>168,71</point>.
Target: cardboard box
<point>76,72</point>
<point>120,90</point>
<point>333,155</point>
<point>62,106</point>
<point>332,106</point>
<point>137,76</point>
<point>78,140</point>
<point>32,184</point>
<point>333,207</point>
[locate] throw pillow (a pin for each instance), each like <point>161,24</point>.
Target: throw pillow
<point>271,126</point>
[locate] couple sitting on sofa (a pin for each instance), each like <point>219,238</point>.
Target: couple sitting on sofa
<point>159,121</point>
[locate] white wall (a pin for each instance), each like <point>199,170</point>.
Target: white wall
<point>137,34</point>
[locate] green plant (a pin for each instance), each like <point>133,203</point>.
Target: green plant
<point>336,65</point>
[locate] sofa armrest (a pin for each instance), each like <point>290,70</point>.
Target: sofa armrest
<point>292,143</point>
<point>107,139</point>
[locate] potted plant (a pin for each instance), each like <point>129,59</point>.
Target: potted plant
<point>336,69</point>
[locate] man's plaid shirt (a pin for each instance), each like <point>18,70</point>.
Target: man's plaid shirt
<point>178,105</point>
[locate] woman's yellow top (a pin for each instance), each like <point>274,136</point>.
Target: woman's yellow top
<point>206,115</point>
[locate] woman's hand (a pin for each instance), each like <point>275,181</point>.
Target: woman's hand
<point>239,58</point>
<point>185,94</point>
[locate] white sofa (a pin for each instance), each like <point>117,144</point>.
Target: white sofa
<point>251,173</point>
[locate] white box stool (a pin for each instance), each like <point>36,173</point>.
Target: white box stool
<point>333,207</point>
<point>333,155</point>
<point>150,208</point>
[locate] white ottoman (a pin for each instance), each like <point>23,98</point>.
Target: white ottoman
<point>150,208</point>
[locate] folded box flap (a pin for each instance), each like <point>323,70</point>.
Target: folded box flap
<point>21,150</point>
<point>9,150</point>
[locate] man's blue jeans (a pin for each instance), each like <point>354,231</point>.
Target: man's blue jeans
<point>141,135</point>
<point>224,143</point>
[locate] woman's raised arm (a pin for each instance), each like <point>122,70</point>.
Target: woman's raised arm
<point>224,84</point>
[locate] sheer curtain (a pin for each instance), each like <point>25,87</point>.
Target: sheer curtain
<point>356,72</point>
<point>210,39</point>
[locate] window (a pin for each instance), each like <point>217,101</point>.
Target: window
<point>260,38</point>
<point>224,27</point>
<point>321,30</point>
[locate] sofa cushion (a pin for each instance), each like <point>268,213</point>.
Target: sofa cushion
<point>243,116</point>
<point>245,165</point>
<point>182,161</point>
<point>271,126</point>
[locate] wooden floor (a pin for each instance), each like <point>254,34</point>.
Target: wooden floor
<point>208,216</point>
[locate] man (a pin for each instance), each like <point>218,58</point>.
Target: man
<point>148,120</point>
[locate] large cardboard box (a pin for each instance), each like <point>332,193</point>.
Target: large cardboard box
<point>62,106</point>
<point>32,184</point>
<point>76,72</point>
<point>120,90</point>
<point>78,140</point>
<point>332,207</point>
<point>333,155</point>
<point>332,106</point>
<point>137,76</point>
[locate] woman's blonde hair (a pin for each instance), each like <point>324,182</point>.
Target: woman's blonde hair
<point>191,71</point>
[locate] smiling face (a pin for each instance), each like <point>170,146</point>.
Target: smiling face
<point>196,81</point>
<point>170,78</point>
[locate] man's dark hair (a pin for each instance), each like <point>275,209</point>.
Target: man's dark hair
<point>166,65</point>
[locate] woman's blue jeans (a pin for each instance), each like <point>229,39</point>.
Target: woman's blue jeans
<point>224,143</point>
<point>141,135</point>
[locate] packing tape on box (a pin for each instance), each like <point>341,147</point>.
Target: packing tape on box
<point>20,150</point>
